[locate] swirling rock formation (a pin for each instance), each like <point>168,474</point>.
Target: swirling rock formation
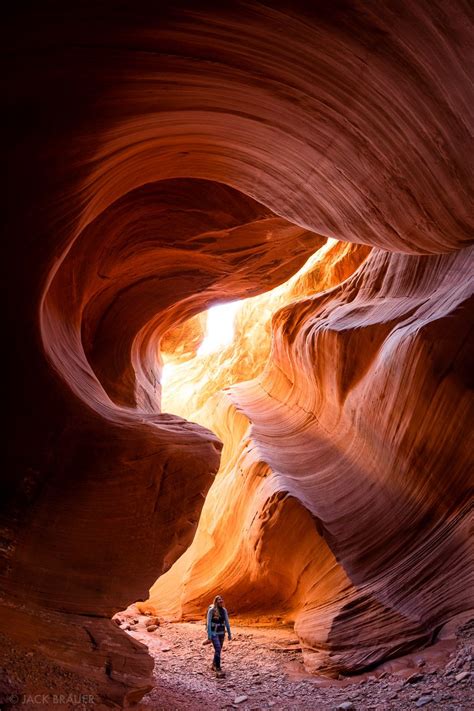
<point>331,508</point>
<point>161,161</point>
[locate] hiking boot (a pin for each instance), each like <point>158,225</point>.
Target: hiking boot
<point>213,667</point>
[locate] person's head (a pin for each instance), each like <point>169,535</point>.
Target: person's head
<point>218,602</point>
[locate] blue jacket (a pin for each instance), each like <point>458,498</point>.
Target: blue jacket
<point>209,620</point>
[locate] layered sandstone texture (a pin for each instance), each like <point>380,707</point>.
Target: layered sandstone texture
<point>335,504</point>
<point>164,160</point>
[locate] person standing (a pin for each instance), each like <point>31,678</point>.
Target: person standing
<point>217,624</point>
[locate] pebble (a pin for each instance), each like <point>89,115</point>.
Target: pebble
<point>270,682</point>
<point>414,678</point>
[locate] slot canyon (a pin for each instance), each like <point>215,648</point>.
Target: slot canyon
<point>309,164</point>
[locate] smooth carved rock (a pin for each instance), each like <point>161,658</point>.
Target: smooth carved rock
<point>334,458</point>
<point>155,168</point>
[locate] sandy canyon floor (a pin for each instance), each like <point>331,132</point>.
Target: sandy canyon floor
<point>264,670</point>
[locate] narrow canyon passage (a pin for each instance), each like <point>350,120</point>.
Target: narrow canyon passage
<point>307,164</point>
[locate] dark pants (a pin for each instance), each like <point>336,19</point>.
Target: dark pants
<point>218,642</point>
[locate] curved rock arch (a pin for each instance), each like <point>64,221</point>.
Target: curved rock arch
<point>350,122</point>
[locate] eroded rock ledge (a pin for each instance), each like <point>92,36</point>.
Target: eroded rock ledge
<point>156,168</point>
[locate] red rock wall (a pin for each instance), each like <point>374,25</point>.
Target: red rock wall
<point>344,488</point>
<point>348,120</point>
<point>375,450</point>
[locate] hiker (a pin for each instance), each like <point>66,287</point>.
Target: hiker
<point>217,624</point>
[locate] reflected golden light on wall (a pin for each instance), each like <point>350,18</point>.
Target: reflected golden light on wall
<point>246,520</point>
<point>237,338</point>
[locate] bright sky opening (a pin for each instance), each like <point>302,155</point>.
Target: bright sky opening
<point>219,327</point>
<point>221,318</point>
<point>166,372</point>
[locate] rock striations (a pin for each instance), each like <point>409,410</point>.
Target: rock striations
<point>161,161</point>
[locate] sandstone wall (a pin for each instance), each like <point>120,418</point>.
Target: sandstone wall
<point>347,120</point>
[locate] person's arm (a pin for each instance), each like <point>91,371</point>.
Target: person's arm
<point>227,625</point>
<point>209,618</point>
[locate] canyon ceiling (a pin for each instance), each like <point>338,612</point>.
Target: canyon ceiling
<point>163,160</point>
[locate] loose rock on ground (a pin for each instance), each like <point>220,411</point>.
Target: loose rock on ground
<point>264,670</point>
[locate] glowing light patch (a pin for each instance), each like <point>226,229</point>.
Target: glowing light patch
<point>219,327</point>
<point>166,372</point>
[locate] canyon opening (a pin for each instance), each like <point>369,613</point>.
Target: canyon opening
<point>240,301</point>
